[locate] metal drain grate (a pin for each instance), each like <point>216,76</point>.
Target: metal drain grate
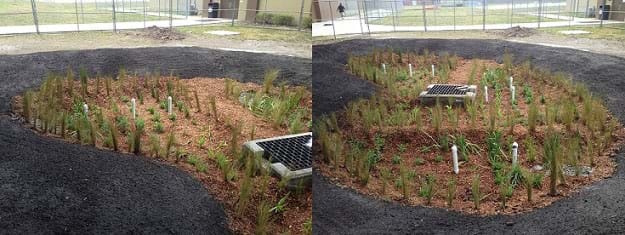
<point>448,90</point>
<point>291,152</point>
<point>452,94</point>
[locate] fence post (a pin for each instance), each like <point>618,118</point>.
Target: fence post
<point>332,18</point>
<point>359,19</point>
<point>301,16</point>
<point>114,18</point>
<point>366,13</point>
<point>425,21</point>
<point>512,14</point>
<point>483,14</point>
<point>144,14</point>
<point>454,15</point>
<point>232,22</point>
<point>393,16</point>
<point>33,5</point>
<point>187,10</point>
<point>540,4</point>
<point>171,19</point>
<point>76,10</point>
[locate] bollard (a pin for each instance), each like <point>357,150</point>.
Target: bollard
<point>85,109</point>
<point>433,74</point>
<point>513,91</point>
<point>384,68</point>
<point>134,108</point>
<point>169,105</point>
<point>410,69</point>
<point>454,156</point>
<point>486,94</point>
<point>515,153</point>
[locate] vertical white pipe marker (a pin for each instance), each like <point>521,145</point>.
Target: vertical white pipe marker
<point>433,74</point>
<point>486,94</point>
<point>513,91</point>
<point>515,153</point>
<point>384,68</point>
<point>410,69</point>
<point>134,108</point>
<point>169,105</point>
<point>510,82</point>
<point>454,156</point>
<point>85,109</point>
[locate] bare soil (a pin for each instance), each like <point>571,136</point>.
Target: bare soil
<point>157,33</point>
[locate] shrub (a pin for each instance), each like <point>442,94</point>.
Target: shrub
<point>505,192</point>
<point>532,117</point>
<point>155,146</point>
<point>419,161</point>
<point>263,218</point>
<point>551,149</point>
<point>172,117</point>
<point>269,79</point>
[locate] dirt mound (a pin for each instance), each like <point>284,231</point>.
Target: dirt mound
<point>517,32</point>
<point>157,33</point>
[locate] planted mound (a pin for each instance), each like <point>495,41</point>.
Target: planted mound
<point>395,147</point>
<point>209,121</point>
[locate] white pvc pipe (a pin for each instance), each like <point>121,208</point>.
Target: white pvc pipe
<point>134,108</point>
<point>433,74</point>
<point>169,105</point>
<point>384,68</point>
<point>513,91</point>
<point>510,82</point>
<point>410,69</point>
<point>486,94</point>
<point>85,109</point>
<point>515,153</point>
<point>454,156</point>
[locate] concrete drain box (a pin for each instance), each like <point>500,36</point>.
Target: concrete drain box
<point>447,93</point>
<point>287,156</point>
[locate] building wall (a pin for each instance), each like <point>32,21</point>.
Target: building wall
<point>617,5</point>
<point>287,7</point>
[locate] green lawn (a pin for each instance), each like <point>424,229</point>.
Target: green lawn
<point>18,12</point>
<point>614,32</point>
<point>413,16</point>
<point>250,32</point>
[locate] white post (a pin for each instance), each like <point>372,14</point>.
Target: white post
<point>486,94</point>
<point>85,109</point>
<point>384,68</point>
<point>454,156</point>
<point>134,108</point>
<point>515,153</point>
<point>513,91</point>
<point>169,105</point>
<point>510,81</point>
<point>410,69</point>
<point>433,74</point>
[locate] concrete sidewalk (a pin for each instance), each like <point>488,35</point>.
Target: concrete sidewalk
<point>57,28</point>
<point>354,26</point>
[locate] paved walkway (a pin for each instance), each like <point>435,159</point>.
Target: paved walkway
<point>352,26</point>
<point>56,28</point>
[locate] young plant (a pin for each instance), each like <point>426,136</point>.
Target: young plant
<point>532,117</point>
<point>476,194</point>
<point>197,102</point>
<point>155,146</point>
<point>263,218</point>
<point>505,192</point>
<point>270,77</point>
<point>451,192</point>
<point>551,149</point>
<point>428,189</point>
<point>139,125</point>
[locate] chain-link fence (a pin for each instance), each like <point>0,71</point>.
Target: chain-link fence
<point>24,16</point>
<point>334,17</point>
